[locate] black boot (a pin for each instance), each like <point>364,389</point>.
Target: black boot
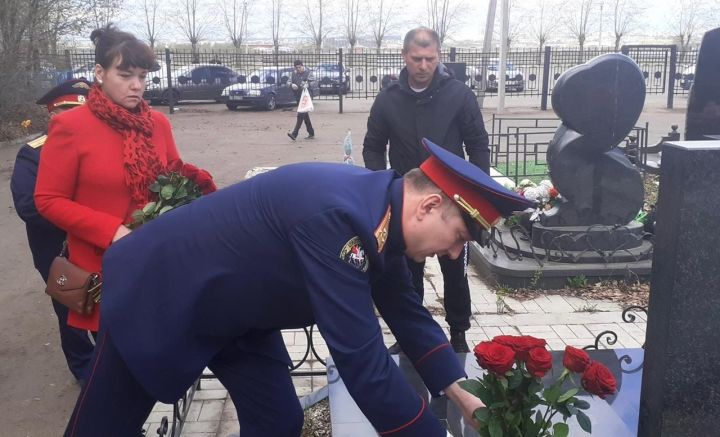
<point>457,341</point>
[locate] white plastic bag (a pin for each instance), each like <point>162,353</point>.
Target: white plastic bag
<point>306,103</point>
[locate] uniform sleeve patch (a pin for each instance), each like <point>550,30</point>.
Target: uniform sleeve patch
<point>354,254</point>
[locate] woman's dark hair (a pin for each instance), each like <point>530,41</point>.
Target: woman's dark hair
<point>112,44</point>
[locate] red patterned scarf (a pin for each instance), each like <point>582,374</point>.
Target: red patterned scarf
<point>141,161</point>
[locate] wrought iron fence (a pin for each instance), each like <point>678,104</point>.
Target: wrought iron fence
<point>361,75</point>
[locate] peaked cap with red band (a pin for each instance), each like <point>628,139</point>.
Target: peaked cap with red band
<point>476,193</point>
<point>70,93</point>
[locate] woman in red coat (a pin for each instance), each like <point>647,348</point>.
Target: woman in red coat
<point>100,158</point>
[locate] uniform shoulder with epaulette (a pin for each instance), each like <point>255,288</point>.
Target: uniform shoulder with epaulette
<point>37,142</point>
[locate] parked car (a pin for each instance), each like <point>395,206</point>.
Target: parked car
<point>332,78</point>
<point>388,70</point>
<point>191,82</point>
<point>514,78</point>
<point>267,88</point>
<point>687,77</point>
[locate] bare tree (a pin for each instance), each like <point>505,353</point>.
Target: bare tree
<point>313,19</point>
<point>441,15</point>
<point>543,22</point>
<point>381,13</point>
<point>61,18</point>
<point>192,23</point>
<point>276,9</point>
<point>149,30</point>
<point>103,12</point>
<point>235,16</point>
<point>625,15</point>
<point>517,21</point>
<point>688,19</point>
<point>578,20</point>
<point>352,15</point>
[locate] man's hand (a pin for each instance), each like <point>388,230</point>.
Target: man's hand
<point>294,87</point>
<point>465,401</point>
<point>121,232</point>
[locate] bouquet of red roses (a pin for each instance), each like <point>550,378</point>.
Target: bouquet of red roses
<point>180,184</point>
<point>517,405</point>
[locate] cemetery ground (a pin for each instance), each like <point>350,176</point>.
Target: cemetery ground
<point>38,392</point>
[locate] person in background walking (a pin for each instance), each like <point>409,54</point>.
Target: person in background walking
<point>428,102</point>
<point>299,80</point>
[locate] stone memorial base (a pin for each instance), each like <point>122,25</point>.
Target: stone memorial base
<point>550,255</point>
<point>615,416</point>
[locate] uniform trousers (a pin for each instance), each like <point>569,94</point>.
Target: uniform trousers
<point>456,288</point>
<point>114,404</point>
<point>75,343</point>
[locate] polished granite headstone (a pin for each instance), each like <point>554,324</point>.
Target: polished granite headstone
<point>598,103</point>
<point>589,231</point>
<point>681,381</point>
<point>616,416</point>
<point>703,114</point>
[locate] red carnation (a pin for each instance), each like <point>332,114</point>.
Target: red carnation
<point>553,192</point>
<point>521,344</point>
<point>576,360</point>
<point>201,177</point>
<point>494,357</point>
<point>598,380</point>
<point>538,361</point>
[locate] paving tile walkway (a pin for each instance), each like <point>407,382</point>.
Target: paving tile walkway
<point>561,320</point>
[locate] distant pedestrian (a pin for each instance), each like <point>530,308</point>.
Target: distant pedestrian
<point>45,239</point>
<point>300,80</point>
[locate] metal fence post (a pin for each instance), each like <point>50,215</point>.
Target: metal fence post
<point>68,60</point>
<point>170,93</point>
<point>546,78</point>
<point>671,82</point>
<point>453,54</point>
<point>340,79</point>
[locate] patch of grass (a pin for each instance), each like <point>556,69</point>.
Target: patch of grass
<point>519,170</point>
<point>579,281</point>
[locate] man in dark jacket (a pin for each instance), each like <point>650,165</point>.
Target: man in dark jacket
<point>299,80</point>
<point>44,238</point>
<point>428,102</point>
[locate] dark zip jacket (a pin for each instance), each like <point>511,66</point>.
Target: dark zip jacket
<point>446,112</point>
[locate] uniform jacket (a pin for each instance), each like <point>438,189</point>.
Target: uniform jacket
<point>446,113</point>
<point>304,244</point>
<point>81,186</point>
<point>45,239</point>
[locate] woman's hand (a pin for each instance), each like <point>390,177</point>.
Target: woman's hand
<point>122,231</point>
<point>466,402</point>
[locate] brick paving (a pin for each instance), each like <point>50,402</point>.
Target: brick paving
<point>560,320</point>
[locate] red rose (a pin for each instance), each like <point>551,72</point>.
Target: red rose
<point>598,380</point>
<point>552,192</point>
<point>521,344</point>
<point>205,182</point>
<point>538,361</point>
<point>576,360</point>
<point>494,357</point>
<point>175,166</point>
<point>189,171</point>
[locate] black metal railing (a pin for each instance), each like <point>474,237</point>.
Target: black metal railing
<point>362,75</point>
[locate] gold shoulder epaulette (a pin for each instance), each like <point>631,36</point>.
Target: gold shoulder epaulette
<point>381,232</point>
<point>38,142</point>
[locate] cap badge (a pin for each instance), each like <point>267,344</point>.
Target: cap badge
<point>81,85</point>
<point>354,254</point>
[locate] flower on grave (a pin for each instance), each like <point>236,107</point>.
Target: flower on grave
<point>25,124</point>
<point>179,185</point>
<point>517,405</point>
<point>544,193</point>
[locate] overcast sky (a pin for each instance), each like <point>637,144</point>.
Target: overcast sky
<point>653,21</point>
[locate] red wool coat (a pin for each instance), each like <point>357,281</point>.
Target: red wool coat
<point>81,186</point>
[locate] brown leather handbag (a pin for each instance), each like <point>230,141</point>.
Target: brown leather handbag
<point>72,286</point>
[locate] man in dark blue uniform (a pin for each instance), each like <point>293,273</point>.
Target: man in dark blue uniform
<point>44,238</point>
<point>213,283</point>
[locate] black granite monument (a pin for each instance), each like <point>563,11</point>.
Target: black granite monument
<point>703,114</point>
<point>681,380</point>
<point>591,231</point>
